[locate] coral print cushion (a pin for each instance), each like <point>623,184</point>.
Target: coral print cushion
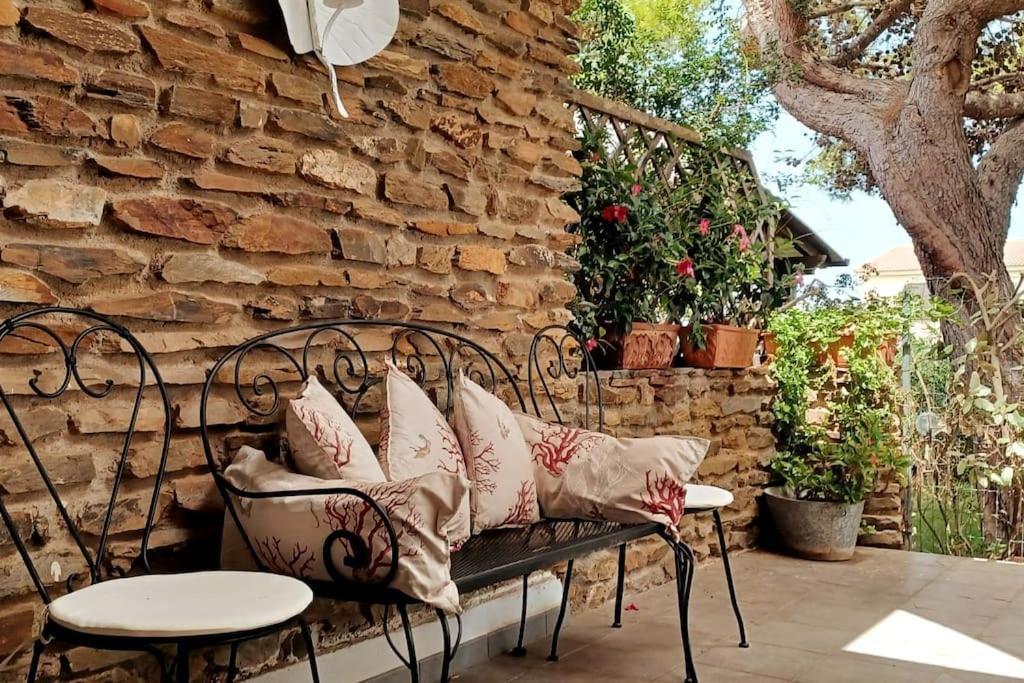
<point>584,474</point>
<point>324,441</point>
<point>288,533</point>
<point>502,491</point>
<point>417,440</point>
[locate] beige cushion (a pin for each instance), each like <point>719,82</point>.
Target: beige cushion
<point>502,491</point>
<point>418,440</point>
<point>289,533</point>
<point>323,439</point>
<point>700,497</point>
<point>590,475</point>
<point>176,605</point>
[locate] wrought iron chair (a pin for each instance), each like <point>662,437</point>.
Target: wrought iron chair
<point>699,499</point>
<point>102,607</point>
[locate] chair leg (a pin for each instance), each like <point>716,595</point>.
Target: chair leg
<point>446,642</point>
<point>553,657</point>
<point>413,663</point>
<point>233,663</point>
<point>620,587</point>
<point>520,649</point>
<point>37,652</point>
<point>724,549</point>
<point>181,664</point>
<point>684,561</point>
<point>307,636</point>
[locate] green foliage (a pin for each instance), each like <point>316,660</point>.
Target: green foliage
<point>650,254</point>
<point>970,467</point>
<point>680,60</point>
<point>853,437</point>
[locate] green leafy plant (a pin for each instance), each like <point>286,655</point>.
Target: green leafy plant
<point>970,463</point>
<point>836,413</point>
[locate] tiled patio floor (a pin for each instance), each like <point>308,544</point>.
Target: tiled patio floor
<point>885,616</point>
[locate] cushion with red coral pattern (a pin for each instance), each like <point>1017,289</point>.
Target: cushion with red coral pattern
<point>323,439</point>
<point>589,475</point>
<point>288,533</point>
<point>502,491</point>
<point>417,440</point>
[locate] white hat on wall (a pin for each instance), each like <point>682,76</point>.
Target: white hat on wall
<point>340,32</point>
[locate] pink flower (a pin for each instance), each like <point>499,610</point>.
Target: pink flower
<point>800,278</point>
<point>636,189</point>
<point>744,243</point>
<point>591,345</point>
<point>739,230</point>
<point>705,227</point>
<point>685,268</point>
<point>615,213</point>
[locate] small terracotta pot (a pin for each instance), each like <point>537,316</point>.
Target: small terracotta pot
<point>727,347</point>
<point>887,351</point>
<point>648,346</point>
<point>771,346</point>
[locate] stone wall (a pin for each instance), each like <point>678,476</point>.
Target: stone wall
<point>172,164</point>
<point>732,409</point>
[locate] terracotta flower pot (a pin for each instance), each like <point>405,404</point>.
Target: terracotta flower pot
<point>771,345</point>
<point>727,347</point>
<point>648,346</point>
<point>887,351</point>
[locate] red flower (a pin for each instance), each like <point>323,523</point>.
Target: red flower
<point>739,230</point>
<point>705,226</point>
<point>636,189</point>
<point>685,268</point>
<point>615,213</point>
<point>591,345</point>
<point>595,157</point>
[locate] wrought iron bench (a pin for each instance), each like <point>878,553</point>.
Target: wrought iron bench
<point>347,356</point>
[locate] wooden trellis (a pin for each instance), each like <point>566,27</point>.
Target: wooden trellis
<point>652,144</point>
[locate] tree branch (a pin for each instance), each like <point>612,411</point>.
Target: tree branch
<point>1001,171</point>
<point>780,32</point>
<point>989,10</point>
<point>830,10</point>
<point>986,106</point>
<point>880,25</point>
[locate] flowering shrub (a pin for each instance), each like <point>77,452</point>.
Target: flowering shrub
<point>650,254</point>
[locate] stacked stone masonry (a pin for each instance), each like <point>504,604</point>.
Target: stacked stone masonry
<point>171,163</point>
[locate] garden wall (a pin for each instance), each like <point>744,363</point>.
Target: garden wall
<point>732,409</point>
<point>174,165</point>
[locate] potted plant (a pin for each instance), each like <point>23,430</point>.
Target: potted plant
<point>837,429</point>
<point>627,275</point>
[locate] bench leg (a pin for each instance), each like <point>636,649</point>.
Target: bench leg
<point>553,657</point>
<point>412,663</point>
<point>37,652</point>
<point>723,547</point>
<point>620,587</point>
<point>446,646</point>
<point>520,649</point>
<point>685,562</point>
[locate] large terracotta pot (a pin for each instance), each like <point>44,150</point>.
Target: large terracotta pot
<point>727,347</point>
<point>648,346</point>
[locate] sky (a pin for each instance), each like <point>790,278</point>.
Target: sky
<point>859,229</point>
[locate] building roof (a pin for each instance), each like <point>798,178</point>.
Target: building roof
<point>902,259</point>
<point>814,252</point>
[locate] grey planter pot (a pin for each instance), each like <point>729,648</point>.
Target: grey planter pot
<point>813,530</point>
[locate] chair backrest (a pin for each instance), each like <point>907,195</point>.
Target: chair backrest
<point>66,336</point>
<point>347,356</point>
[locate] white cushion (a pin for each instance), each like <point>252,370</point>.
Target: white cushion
<point>700,497</point>
<point>182,605</point>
